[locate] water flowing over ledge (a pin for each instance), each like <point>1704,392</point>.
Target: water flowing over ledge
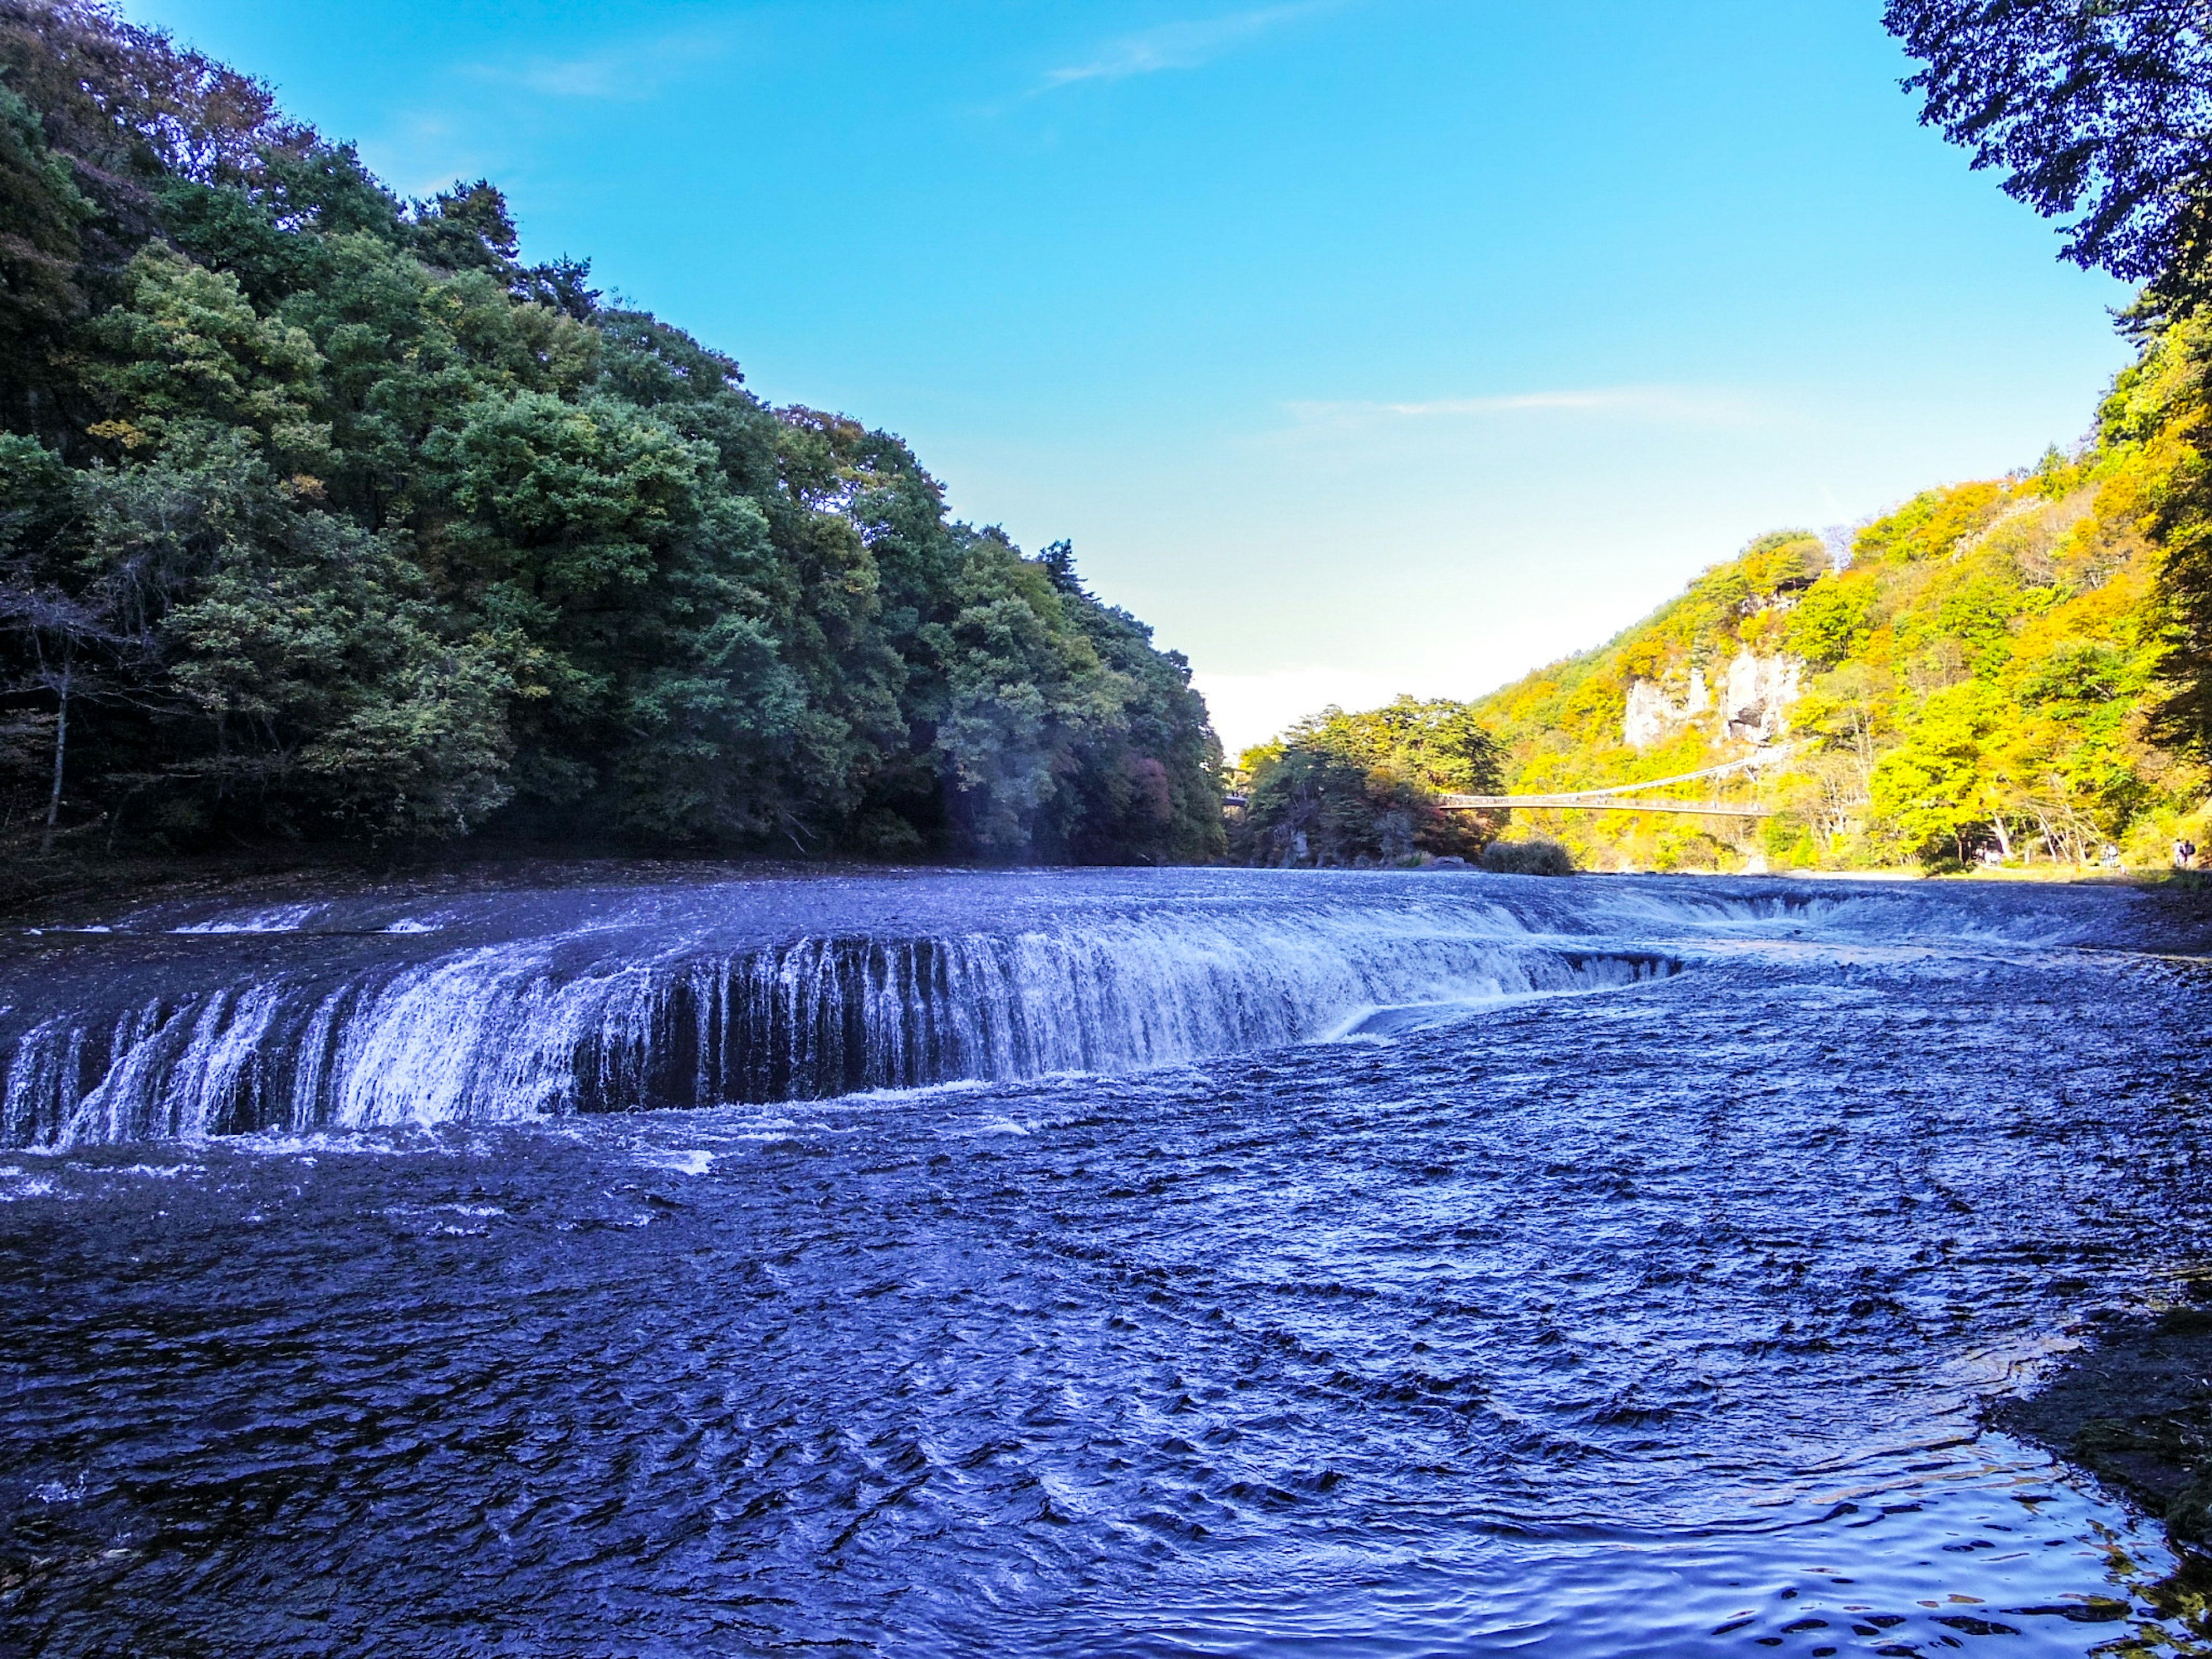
<point>349,1017</point>
<point>1656,1320</point>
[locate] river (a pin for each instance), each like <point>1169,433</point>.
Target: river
<point>1209,1262</point>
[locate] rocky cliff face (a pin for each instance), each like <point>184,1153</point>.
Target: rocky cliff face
<point>1757,695</point>
<point>1754,694</point>
<point>1653,715</point>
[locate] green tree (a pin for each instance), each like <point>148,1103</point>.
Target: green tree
<point>1364,788</point>
<point>372,529</point>
<point>2097,108</point>
<point>187,353</point>
<point>1930,788</point>
<point>1831,622</point>
<point>42,215</point>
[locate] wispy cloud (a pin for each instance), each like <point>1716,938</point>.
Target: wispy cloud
<point>1186,44</point>
<point>620,70</point>
<point>1658,404</point>
<point>424,151</point>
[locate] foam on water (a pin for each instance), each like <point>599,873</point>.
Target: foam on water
<point>549,1003</point>
<point>1576,1306</point>
<point>282,918</point>
<point>536,1027</point>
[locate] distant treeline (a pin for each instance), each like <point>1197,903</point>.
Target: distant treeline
<point>1361,790</point>
<point>2018,669</point>
<point>324,515</point>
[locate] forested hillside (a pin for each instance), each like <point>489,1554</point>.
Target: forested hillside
<point>2007,669</point>
<point>2017,671</point>
<point>324,514</point>
<point>1362,790</point>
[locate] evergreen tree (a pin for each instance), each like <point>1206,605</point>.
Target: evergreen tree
<point>326,515</point>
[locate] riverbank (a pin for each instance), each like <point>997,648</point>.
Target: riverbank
<point>2135,1411</point>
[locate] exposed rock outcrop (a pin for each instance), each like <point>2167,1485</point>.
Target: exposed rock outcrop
<point>1755,695</point>
<point>1653,716</point>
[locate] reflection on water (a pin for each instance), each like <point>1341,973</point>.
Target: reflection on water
<point>1656,1317</point>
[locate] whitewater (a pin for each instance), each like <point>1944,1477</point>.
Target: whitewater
<point>1084,1262</point>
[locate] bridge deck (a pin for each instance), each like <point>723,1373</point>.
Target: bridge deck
<point>1719,809</point>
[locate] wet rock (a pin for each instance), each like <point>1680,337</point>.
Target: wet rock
<point>2136,1411</point>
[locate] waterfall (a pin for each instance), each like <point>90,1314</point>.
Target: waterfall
<point>559,1023</point>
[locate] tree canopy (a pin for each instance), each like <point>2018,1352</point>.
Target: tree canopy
<point>323,513</point>
<point>2101,109</point>
<point>1362,789</point>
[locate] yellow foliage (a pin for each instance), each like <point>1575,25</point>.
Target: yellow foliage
<point>1974,683</point>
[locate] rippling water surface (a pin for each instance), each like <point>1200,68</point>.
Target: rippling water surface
<point>1302,1265</point>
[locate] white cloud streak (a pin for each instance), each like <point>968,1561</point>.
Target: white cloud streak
<point>1187,45</point>
<point>619,72</point>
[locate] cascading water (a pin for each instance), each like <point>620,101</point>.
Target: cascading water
<point>657,1010</point>
<point>1311,1272</point>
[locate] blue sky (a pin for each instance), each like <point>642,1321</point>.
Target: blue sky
<point>1359,345</point>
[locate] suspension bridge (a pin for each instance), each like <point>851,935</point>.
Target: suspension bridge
<point>1614,800</point>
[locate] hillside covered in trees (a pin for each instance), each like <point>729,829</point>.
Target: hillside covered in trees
<point>2016,671</point>
<point>2011,670</point>
<point>1361,790</point>
<point>326,515</point>
<point>2007,669</point>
